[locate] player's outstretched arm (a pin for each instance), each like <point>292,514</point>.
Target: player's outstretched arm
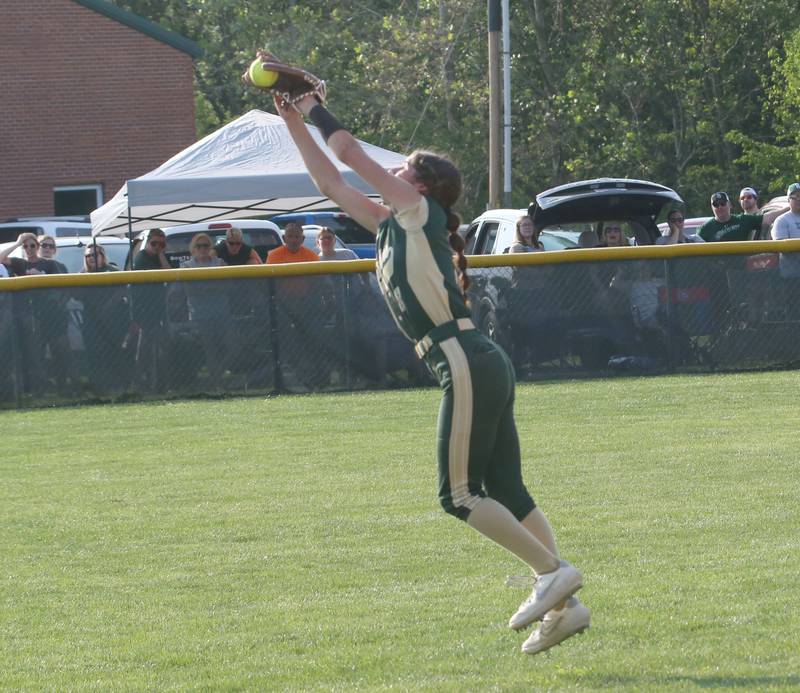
<point>395,191</point>
<point>326,176</point>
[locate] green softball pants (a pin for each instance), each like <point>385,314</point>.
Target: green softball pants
<point>477,443</point>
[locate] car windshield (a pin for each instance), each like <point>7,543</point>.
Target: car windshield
<point>72,256</point>
<point>263,240</point>
<point>179,242</point>
<point>310,233</point>
<point>72,231</point>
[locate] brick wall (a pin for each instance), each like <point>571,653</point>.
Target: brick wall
<point>84,99</point>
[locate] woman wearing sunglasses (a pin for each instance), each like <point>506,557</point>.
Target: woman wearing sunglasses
<point>41,318</point>
<point>105,324</point>
<point>149,310</point>
<point>48,250</point>
<point>32,263</point>
<point>209,310</point>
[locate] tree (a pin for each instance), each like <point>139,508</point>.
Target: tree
<point>778,161</point>
<point>695,94</point>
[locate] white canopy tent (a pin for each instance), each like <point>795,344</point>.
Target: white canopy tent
<point>248,168</point>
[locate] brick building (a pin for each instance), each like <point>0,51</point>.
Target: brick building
<point>90,96</point>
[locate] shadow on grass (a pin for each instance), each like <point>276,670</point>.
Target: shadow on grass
<point>752,683</point>
<point>748,682</point>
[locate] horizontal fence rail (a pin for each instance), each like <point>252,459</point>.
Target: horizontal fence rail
<point>323,326</point>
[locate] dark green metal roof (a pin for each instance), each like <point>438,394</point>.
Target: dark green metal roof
<point>144,25</point>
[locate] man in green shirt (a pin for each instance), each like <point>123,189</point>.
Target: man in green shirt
<point>733,227</point>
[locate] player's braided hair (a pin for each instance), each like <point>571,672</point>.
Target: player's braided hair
<point>443,181</point>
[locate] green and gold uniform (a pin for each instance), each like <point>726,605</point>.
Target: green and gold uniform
<point>477,447</point>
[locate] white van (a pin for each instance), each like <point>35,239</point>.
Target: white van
<point>57,227</point>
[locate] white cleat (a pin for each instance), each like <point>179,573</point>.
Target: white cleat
<point>557,626</point>
<point>549,590</point>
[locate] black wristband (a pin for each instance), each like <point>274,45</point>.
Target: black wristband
<point>324,120</point>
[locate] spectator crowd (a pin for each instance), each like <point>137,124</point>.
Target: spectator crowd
<point>123,327</point>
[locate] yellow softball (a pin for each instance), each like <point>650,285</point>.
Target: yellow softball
<point>261,77</point>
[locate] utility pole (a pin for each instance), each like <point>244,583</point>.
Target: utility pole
<point>495,22</point>
<point>506,106</point>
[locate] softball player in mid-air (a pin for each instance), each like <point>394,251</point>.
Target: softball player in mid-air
<point>480,478</point>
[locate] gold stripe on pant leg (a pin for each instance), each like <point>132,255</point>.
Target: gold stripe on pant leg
<point>460,424</point>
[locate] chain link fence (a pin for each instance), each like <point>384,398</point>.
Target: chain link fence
<point>257,330</point>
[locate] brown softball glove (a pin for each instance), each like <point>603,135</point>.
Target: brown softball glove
<point>270,73</point>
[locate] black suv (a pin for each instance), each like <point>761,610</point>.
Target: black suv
<point>568,313</point>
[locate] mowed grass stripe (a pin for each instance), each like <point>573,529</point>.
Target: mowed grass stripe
<point>296,543</point>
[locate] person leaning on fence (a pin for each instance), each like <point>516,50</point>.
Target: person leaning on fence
<point>676,233</point>
<point>787,226</point>
<point>326,242</point>
<point>480,479</point>
<point>106,319</point>
<point>149,311</point>
<point>41,318</point>
<point>748,201</point>
<point>292,249</point>
<point>234,251</point>
<point>209,309</point>
<point>526,237</point>
<point>48,250</point>
<point>303,308</point>
<point>55,333</point>
<point>734,227</point>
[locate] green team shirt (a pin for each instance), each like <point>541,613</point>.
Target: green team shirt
<point>736,228</point>
<point>414,265</point>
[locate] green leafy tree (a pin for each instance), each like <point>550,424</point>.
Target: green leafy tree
<point>698,94</point>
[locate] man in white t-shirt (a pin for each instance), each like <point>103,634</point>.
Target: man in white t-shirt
<point>787,225</point>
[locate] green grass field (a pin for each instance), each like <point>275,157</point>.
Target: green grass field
<point>296,543</point>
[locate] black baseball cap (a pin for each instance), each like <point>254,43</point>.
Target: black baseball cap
<point>720,197</point>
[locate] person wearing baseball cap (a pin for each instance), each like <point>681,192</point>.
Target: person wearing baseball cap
<point>787,225</point>
<point>748,201</point>
<point>734,227</point>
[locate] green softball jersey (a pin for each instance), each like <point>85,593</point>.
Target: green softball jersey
<point>415,269</point>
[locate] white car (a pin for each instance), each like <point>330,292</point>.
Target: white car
<point>494,231</point>
<point>70,250</point>
<point>56,227</point>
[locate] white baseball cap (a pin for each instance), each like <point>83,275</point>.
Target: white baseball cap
<point>748,191</point>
